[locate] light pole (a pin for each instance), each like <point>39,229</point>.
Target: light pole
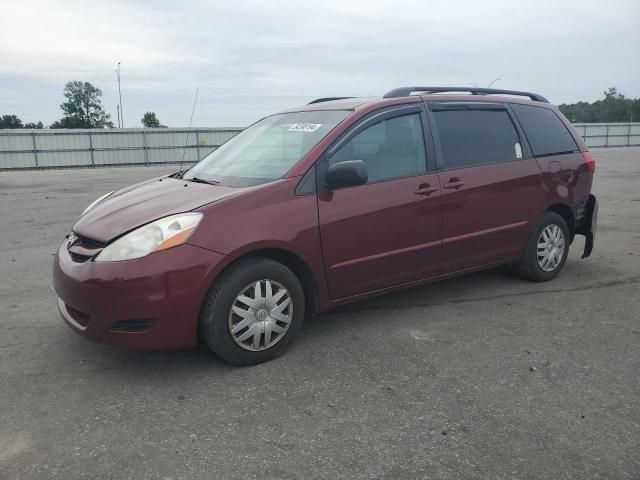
<point>121,115</point>
<point>493,81</point>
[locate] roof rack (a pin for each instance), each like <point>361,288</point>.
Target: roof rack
<point>327,99</point>
<point>406,91</point>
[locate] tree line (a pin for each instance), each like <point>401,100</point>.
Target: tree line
<point>82,108</point>
<point>614,107</point>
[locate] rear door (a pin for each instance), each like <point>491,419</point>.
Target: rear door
<point>490,183</point>
<point>562,163</point>
<point>388,231</point>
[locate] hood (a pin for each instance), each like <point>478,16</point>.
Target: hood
<point>145,202</point>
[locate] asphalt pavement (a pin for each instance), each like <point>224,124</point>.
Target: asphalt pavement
<point>485,376</point>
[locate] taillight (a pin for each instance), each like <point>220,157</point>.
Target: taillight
<point>591,163</point>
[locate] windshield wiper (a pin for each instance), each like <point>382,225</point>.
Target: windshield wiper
<point>202,180</point>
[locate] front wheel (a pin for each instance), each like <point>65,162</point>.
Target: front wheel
<point>547,250</point>
<point>252,312</point>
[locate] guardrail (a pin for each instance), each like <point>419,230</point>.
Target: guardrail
<point>62,148</point>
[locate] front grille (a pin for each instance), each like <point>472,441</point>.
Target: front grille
<point>82,248</point>
<point>89,243</point>
<point>132,326</point>
<point>78,258</point>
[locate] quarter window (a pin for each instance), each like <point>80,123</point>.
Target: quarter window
<point>476,137</point>
<point>546,133</point>
<point>392,148</point>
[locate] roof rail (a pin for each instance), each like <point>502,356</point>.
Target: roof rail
<point>327,99</point>
<point>406,91</point>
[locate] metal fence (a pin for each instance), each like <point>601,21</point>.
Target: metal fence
<point>609,134</point>
<point>51,148</point>
<point>63,148</point>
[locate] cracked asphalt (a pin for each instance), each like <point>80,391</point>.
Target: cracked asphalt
<point>485,376</point>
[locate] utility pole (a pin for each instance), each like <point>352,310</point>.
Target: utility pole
<point>118,108</point>
<point>120,97</point>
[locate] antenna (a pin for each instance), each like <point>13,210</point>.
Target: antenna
<point>195,99</point>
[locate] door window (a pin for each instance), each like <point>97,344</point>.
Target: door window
<point>476,137</point>
<point>392,148</point>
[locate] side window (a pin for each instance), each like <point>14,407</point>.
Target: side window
<point>476,137</point>
<point>546,133</point>
<point>392,148</point>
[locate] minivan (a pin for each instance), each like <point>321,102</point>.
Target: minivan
<point>324,204</point>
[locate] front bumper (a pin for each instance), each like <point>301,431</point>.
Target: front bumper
<point>148,303</point>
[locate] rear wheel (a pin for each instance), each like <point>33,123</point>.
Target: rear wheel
<point>547,250</point>
<point>252,312</point>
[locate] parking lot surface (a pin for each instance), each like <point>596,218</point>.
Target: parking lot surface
<point>482,376</point>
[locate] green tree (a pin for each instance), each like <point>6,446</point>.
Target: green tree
<point>10,121</point>
<point>150,120</point>
<point>635,110</point>
<point>614,107</point>
<point>580,112</point>
<point>83,108</point>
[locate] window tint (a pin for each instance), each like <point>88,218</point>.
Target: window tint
<point>476,137</point>
<point>544,130</point>
<point>392,148</point>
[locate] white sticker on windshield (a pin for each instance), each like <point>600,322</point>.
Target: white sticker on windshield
<point>518,150</point>
<point>304,127</point>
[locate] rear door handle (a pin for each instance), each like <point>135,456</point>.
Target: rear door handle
<point>455,184</point>
<point>425,189</point>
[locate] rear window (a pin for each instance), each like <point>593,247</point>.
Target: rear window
<point>546,133</point>
<point>476,137</point>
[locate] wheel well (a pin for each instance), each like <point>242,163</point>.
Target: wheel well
<point>298,266</point>
<point>565,212</point>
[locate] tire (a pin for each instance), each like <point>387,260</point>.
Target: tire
<point>217,318</point>
<point>529,266</point>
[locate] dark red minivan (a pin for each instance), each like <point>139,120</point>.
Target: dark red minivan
<point>325,204</point>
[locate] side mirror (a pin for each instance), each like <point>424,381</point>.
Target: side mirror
<point>349,173</point>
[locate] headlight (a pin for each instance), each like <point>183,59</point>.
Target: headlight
<point>155,236</point>
<point>95,202</point>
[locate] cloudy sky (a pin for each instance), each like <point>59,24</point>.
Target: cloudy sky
<point>250,58</point>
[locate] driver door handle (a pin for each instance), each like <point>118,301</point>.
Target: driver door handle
<point>425,190</point>
<point>454,183</point>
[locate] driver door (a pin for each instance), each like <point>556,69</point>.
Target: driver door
<point>388,231</point>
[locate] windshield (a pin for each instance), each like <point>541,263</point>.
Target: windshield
<point>266,150</point>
